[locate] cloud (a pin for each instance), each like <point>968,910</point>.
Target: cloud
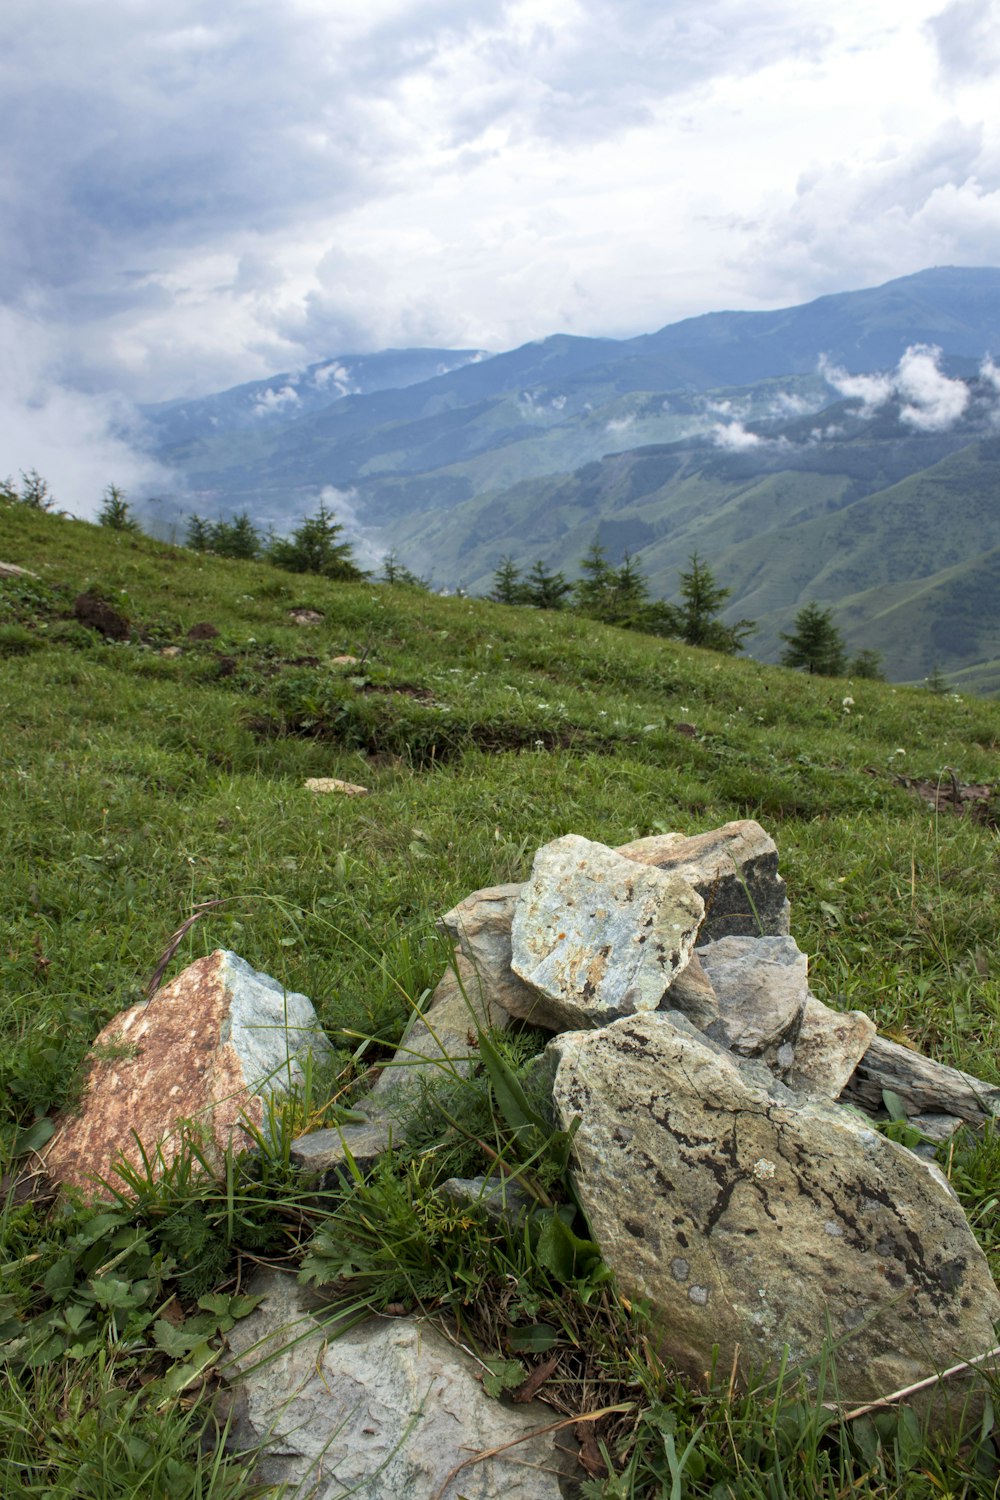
<point>620,424</point>
<point>196,196</point>
<point>931,402</point>
<point>873,391</point>
<point>990,372</point>
<point>928,400</point>
<point>81,443</point>
<point>966,35</point>
<point>270,401</point>
<point>734,437</point>
<point>887,210</point>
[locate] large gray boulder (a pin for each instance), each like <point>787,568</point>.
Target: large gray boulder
<point>597,936</point>
<point>760,1222</point>
<point>386,1409</point>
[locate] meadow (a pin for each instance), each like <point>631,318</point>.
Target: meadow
<point>140,788</point>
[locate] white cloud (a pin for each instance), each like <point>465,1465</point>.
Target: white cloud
<point>270,401</point>
<point>620,424</point>
<point>990,372</point>
<point>197,196</point>
<point>873,391</point>
<point>734,437</point>
<point>931,402</point>
<point>79,442</point>
<point>928,400</point>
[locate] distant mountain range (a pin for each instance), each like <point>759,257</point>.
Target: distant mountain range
<point>822,451</point>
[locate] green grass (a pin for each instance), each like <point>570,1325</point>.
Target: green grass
<point>137,786</point>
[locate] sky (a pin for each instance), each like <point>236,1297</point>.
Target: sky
<point>204,192</point>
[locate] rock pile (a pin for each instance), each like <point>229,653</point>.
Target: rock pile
<point>726,1151</point>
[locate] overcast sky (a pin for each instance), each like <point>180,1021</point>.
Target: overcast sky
<point>199,192</point>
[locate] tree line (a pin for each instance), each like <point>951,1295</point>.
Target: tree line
<point>612,595</point>
<point>620,596</point>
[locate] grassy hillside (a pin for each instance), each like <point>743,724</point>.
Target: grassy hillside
<point>139,785</point>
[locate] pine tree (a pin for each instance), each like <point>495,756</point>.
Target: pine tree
<point>508,586</point>
<point>115,511</point>
<point>197,537</point>
<point>701,600</point>
<point>393,571</point>
<point>867,664</point>
<point>314,547</point>
<point>593,591</point>
<point>545,590</point>
<point>815,645</point>
<point>236,538</point>
<point>35,491</point>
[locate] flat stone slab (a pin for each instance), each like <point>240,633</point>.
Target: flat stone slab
<point>598,936</point>
<point>385,1410</point>
<point>754,1221</point>
<point>439,1043</point>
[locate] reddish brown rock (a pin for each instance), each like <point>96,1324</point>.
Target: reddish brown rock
<point>208,1048</point>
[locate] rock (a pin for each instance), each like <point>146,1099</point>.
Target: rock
<point>443,1040</point>
<point>502,1199</point>
<point>305,616</point>
<point>828,1047</point>
<point>735,871</point>
<point>764,1009</point>
<point>171,652</point>
<point>386,1409</point>
<point>11,570</point>
<point>599,936</point>
<point>99,615</point>
<point>440,1042</point>
<point>331,784</point>
<point>752,1220</point>
<point>210,1047</point>
<point>692,994</point>
<point>481,925</point>
<point>924,1086</point>
<point>343,661</point>
<point>322,1154</point>
<point>761,985</point>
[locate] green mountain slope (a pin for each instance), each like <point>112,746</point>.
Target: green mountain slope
<point>156,785</point>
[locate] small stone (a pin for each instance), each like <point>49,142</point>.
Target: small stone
<point>441,1042</point>
<point>171,652</point>
<point>332,784</point>
<point>827,1049</point>
<point>343,661</point>
<point>305,616</point>
<point>481,927</point>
